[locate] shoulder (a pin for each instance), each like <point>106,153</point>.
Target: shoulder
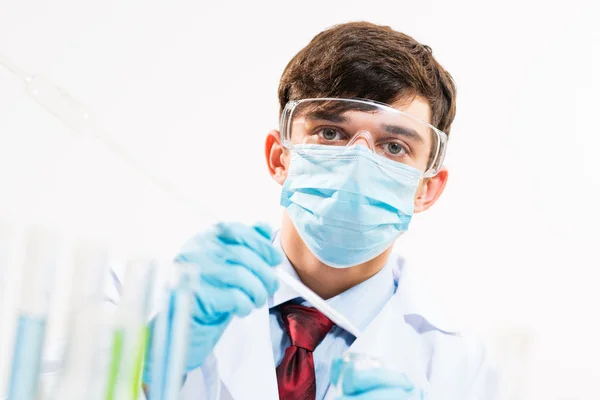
<point>462,365</point>
<point>431,318</point>
<point>420,305</point>
<point>450,341</point>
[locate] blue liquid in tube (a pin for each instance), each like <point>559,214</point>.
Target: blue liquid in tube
<point>170,342</point>
<point>180,301</point>
<point>27,357</point>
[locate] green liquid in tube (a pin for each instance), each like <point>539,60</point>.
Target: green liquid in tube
<point>132,383</point>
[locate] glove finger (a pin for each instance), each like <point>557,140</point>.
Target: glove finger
<point>200,254</point>
<point>356,381</point>
<point>382,394</point>
<point>248,236</point>
<point>200,246</point>
<point>225,257</point>
<point>243,303</point>
<point>242,255</point>
<point>215,304</point>
<point>239,277</point>
<point>264,229</point>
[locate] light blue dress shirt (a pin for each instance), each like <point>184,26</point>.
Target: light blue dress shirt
<point>360,304</point>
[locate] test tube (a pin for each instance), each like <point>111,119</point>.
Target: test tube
<point>7,250</point>
<point>8,245</point>
<point>171,332</point>
<point>130,332</point>
<point>38,278</point>
<point>86,354</point>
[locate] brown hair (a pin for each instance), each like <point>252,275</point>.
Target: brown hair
<point>364,60</point>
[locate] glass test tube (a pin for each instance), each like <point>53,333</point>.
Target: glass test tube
<point>130,332</point>
<point>171,332</point>
<point>8,245</point>
<point>38,278</point>
<point>86,357</point>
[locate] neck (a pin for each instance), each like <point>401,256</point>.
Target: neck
<point>322,279</point>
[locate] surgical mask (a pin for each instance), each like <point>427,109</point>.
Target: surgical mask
<point>348,204</point>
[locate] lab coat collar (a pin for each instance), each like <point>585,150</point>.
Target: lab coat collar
<point>245,357</point>
<point>416,302</point>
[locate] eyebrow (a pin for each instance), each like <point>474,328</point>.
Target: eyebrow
<point>401,130</point>
<point>326,116</point>
<point>338,118</point>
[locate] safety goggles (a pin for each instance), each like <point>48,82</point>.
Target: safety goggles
<point>387,131</point>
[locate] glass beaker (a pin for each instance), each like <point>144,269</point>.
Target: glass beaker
<point>359,362</point>
<point>362,362</point>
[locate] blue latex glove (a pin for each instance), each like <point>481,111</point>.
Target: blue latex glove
<point>236,276</point>
<point>372,384</point>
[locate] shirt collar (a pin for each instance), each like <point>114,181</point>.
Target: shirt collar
<point>360,304</point>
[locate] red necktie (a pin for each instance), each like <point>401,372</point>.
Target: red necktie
<point>307,327</point>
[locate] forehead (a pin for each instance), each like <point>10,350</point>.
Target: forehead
<point>416,106</point>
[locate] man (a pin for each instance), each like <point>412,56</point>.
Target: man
<point>365,113</point>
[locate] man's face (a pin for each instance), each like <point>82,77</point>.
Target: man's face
<point>278,157</point>
<point>342,123</point>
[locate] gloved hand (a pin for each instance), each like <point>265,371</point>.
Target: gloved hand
<point>371,384</point>
<point>236,276</point>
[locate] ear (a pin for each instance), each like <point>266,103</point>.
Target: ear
<point>430,189</point>
<point>277,157</point>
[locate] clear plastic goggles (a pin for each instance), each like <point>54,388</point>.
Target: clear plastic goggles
<point>387,131</point>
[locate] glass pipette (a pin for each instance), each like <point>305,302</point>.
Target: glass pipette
<point>73,114</point>
<point>77,117</point>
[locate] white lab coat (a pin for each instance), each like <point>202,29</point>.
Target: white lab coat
<point>409,336</point>
<point>406,335</point>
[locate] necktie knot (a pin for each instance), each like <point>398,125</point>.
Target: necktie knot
<point>306,326</point>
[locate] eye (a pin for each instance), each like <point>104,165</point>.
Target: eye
<point>395,148</point>
<point>330,134</point>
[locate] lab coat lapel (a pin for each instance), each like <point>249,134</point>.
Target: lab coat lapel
<point>245,358</point>
<point>390,339</point>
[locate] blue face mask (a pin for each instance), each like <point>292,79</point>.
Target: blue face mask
<point>348,204</point>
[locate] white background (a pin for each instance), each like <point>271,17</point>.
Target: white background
<point>189,88</point>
